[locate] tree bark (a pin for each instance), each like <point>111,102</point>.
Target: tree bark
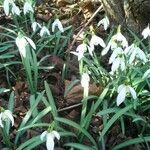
<point>132,14</point>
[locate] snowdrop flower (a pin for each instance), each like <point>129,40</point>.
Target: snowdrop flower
<point>58,24</point>
<point>117,60</point>
<point>50,136</point>
<point>81,49</point>
<point>44,31</point>
<point>146,32</point>
<point>95,40</point>
<point>15,9</point>
<point>22,42</point>
<point>105,22</point>
<point>35,25</point>
<point>133,51</point>
<point>116,53</point>
<point>118,40</point>
<point>122,91</point>
<point>5,115</point>
<point>146,74</point>
<point>27,8</point>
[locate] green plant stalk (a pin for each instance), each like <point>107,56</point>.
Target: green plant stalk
<point>28,74</point>
<point>32,101</point>
<point>30,63</point>
<point>84,104</point>
<point>16,22</point>
<point>6,138</point>
<point>81,67</point>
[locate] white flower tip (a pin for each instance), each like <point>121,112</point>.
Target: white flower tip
<point>7,114</point>
<point>43,135</point>
<point>105,22</point>
<point>58,24</point>
<point>56,134</point>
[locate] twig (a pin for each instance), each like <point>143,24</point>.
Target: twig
<point>73,42</point>
<point>70,107</point>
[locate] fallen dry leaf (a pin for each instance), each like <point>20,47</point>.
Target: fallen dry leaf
<point>75,95</point>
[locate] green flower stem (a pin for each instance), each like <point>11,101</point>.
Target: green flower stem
<point>81,67</point>
<point>16,22</point>
<point>84,104</point>
<point>6,138</point>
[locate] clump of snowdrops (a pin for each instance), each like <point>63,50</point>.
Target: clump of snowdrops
<point>125,84</point>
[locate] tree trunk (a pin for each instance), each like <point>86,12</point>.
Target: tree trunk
<point>132,14</point>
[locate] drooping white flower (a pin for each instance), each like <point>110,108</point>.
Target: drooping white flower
<point>135,52</point>
<point>50,138</point>
<point>58,24</point>
<point>27,7</point>
<point>105,22</point>
<point>4,116</point>
<point>81,49</point>
<point>95,40</point>
<point>122,91</point>
<point>116,53</point>
<point>22,42</point>
<point>118,40</point>
<point>85,79</point>
<point>44,31</point>
<point>10,4</point>
<point>117,60</point>
<point>6,6</point>
<point>146,32</point>
<point>146,74</point>
<point>35,25</point>
<point>15,9</point>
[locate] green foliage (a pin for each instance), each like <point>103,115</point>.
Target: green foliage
<point>126,72</point>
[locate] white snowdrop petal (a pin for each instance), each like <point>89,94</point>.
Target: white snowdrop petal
<point>115,53</point>
<point>43,31</point>
<point>142,55</point>
<point>34,26</point>
<point>146,32</point>
<point>30,42</point>
<point>106,49</point>
<point>56,134</point>
<point>120,87</point>
<point>115,65</point>
<point>132,91</point>
<point>132,56</point>
<point>91,49</point>
<point>53,26</point>
<point>15,9</point>
<point>21,44</point>
<point>81,47</point>
<point>60,27</point>
<point>1,121</point>
<point>43,135</point>
<point>122,63</point>
<point>6,7</point>
<point>58,24</point>
<point>146,74</point>
<point>80,55</point>
<point>121,96</point>
<point>9,115</point>
<point>105,22</point>
<point>50,142</point>
<point>95,40</point>
<point>27,8</point>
